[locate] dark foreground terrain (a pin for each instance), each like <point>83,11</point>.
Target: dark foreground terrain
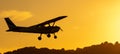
<point>103,48</point>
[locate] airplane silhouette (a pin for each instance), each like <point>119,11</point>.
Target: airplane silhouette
<point>39,28</point>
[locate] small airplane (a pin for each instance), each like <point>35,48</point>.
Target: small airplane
<point>39,28</point>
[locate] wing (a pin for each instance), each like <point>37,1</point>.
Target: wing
<point>50,21</point>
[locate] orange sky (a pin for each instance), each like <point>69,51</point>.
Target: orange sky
<point>89,22</point>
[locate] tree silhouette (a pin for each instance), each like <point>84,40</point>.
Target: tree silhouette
<point>103,48</point>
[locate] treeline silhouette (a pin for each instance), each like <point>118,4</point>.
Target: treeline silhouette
<point>103,48</point>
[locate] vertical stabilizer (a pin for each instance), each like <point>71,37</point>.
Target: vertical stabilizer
<point>10,24</point>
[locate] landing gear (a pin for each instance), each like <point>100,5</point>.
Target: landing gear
<point>39,38</point>
<point>55,37</point>
<point>48,35</point>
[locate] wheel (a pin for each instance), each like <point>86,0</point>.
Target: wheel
<point>48,35</point>
<point>55,37</point>
<point>39,38</point>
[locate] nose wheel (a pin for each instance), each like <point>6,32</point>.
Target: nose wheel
<point>39,38</point>
<point>55,37</point>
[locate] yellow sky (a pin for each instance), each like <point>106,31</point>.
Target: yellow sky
<point>89,22</point>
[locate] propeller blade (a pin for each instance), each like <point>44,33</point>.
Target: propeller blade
<point>61,29</point>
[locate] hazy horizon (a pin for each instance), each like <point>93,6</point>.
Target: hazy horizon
<point>89,22</point>
<point>101,48</point>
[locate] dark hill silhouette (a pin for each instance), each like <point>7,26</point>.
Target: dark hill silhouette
<point>103,48</point>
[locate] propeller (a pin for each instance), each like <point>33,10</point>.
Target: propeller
<point>61,29</point>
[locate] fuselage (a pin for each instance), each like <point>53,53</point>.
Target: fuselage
<point>40,29</point>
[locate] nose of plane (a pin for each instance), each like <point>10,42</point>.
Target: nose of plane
<point>58,28</point>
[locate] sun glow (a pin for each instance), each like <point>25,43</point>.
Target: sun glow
<point>113,22</point>
<point>89,22</point>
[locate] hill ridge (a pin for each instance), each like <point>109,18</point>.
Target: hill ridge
<point>103,48</point>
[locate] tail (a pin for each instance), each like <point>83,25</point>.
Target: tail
<point>10,24</point>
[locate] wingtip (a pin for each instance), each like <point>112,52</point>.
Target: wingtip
<point>63,16</point>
